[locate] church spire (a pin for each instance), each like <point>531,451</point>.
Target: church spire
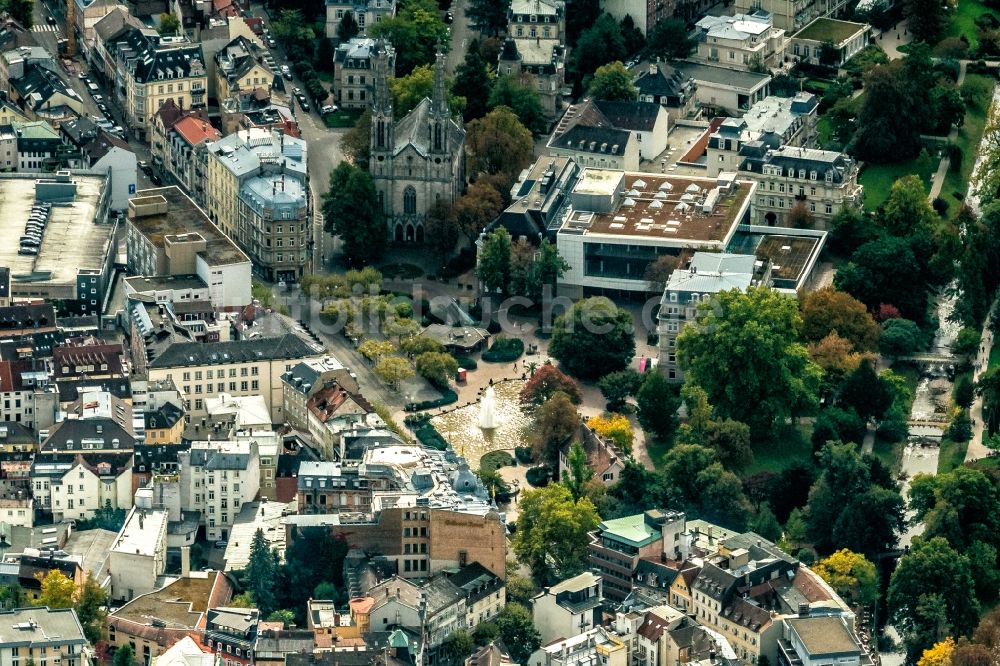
<point>440,101</point>
<point>382,100</point>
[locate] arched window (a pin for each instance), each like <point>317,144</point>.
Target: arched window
<point>410,201</point>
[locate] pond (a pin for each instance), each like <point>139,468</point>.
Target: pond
<point>460,427</point>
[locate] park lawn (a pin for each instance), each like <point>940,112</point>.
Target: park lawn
<point>657,451</point>
<point>824,132</point>
<point>784,450</point>
<point>994,357</point>
<point>890,453</point>
<point>878,178</point>
<point>963,22</point>
<point>952,455</point>
<point>970,134</point>
<point>344,118</point>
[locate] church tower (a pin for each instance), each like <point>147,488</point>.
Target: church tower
<point>382,135</point>
<point>440,115</point>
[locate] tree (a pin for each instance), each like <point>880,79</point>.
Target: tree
<point>393,370</point>
<point>907,210</point>
<point>827,311</point>
<point>493,269</point>
<point>553,532</point>
<point>487,632</point>
<point>488,16</point>
<point>89,606</point>
<point>58,590</point>
<point>521,98</point>
<point>499,143</point>
<point>474,81</point>
<point>437,367</point>
<point>799,217</point>
<point>880,137</point>
<point>374,350</point>
<point>415,32</point>
<point>657,406</point>
<point>261,573</point>
<point>348,28</point>
<point>580,15</point>
<point>765,524</point>
<point>635,41</point>
<point>356,143</point>
<point>169,24</point>
<point>745,354</point>
<point>938,654</point>
<point>351,211</point>
<point>900,337</point>
<point>885,270</point>
<point>837,358</point>
<point>456,647</point>
<point>614,427</point>
<point>325,590</point>
<point>616,387</point>
<point>867,393</point>
<point>594,337</point>
<point>850,228</point>
<point>408,91</point>
<point>517,631</point>
<point>555,423</point>
<point>579,473</point>
<point>694,480</point>
<point>986,181</point>
<point>932,592</point>
<point>13,596</point>
<point>613,82</point>
<point>670,39</point>
<point>545,383</point>
<point>480,205</point>
<point>658,272</point>
<point>419,344</point>
<point>20,11</point>
<point>124,656</point>
<point>600,43</point>
<point>927,19</point>
<point>731,442</point>
<point>851,575</point>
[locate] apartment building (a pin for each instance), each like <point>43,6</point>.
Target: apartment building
<point>365,12</point>
<point>829,42</point>
<point>330,487</point>
<point>742,41</point>
<point>569,608</point>
<point>168,234</point>
<point>258,194</point>
<point>231,634</point>
<point>42,636</point>
<point>617,546</point>
<point>185,155</point>
<point>536,49</point>
<point>353,76</point>
<point>433,610</point>
<point>138,556</point>
<point>665,85</point>
<point>217,478</point>
<point>307,378</point>
<point>27,393</point>
<point>72,486</point>
<point>485,593</point>
<point>238,368</point>
<point>794,15</point>
<point>240,67</point>
<point>595,646</point>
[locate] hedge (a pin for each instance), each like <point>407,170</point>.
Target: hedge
<point>538,476</point>
<point>524,455</point>
<point>504,350</point>
<point>495,460</point>
<point>448,397</point>
<point>429,436</point>
<point>467,362</point>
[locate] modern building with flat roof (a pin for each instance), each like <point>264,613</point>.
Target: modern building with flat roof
<point>73,258</point>
<point>168,234</point>
<point>617,223</point>
<point>139,553</point>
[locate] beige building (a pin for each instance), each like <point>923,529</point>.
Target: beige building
<point>239,368</point>
<point>353,71</point>
<point>366,13</point>
<point>42,636</point>
<point>240,67</point>
<point>743,41</point>
<point>845,39</point>
<point>536,49</point>
<point>791,15</point>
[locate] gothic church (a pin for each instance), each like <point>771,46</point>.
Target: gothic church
<point>418,160</point>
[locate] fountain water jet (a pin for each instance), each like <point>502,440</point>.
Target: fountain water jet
<point>488,410</point>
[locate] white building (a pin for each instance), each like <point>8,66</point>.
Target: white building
<point>185,652</point>
<point>139,554</point>
<point>72,486</point>
<point>217,479</point>
<point>569,608</point>
<point>722,90</point>
<point>743,41</point>
<point>17,512</point>
<point>108,155</point>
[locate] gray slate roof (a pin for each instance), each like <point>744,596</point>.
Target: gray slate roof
<point>183,354</point>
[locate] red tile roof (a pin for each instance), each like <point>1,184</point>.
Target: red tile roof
<point>195,130</point>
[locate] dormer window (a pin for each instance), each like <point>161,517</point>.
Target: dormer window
<point>812,175</point>
<point>802,173</point>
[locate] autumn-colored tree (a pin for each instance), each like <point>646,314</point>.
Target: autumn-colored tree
<point>479,206</point>
<point>614,427</point>
<point>393,370</point>
<point>555,423</point>
<point>836,356</point>
<point>658,272</point>
<point>499,143</point>
<point>939,654</point>
<point>374,350</point>
<point>851,575</point>
<point>800,217</point>
<point>546,381</point>
<point>828,310</point>
<point>58,589</point>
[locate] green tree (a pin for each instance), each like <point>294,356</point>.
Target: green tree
<point>456,647</point>
<point>284,616</point>
<point>12,596</point>
<point>393,370</point>
<point>657,404</point>
<point>545,383</point>
<point>594,337</point>
<point>900,337</point>
<point>494,261</point>
<point>670,39</point>
<point>480,205</point>
<point>907,210</point>
<point>579,472</point>
<point>600,43</point>
<point>744,352</point>
<point>499,143</point>
<point>325,590</point>
<point>521,98</point>
<point>927,19</point>
<point>261,573</point>
<point>866,393</point>
<point>474,81</point>
<point>124,656</point>
<point>415,32</point>
<point>552,531</point>
<point>658,272</point>
<point>437,367</point>
<point>485,633</point>
<point>90,609</point>
<point>614,83</point>
<point>986,180</point>
<point>357,142</point>
<point>932,592</point>
<point>616,387</point>
<point>635,41</point>
<point>351,210</point>
<point>169,24</point>
<point>408,91</point>
<point>851,575</point>
<point>348,28</point>
<point>765,524</point>
<point>885,270</point>
<point>488,16</point>
<point>731,442</point>
<point>556,421</point>
<point>890,96</point>
<point>694,479</point>
<point>57,589</point>
<point>517,631</point>
<point>827,311</point>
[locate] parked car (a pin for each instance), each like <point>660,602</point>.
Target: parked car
<point>304,104</point>
<point>287,75</point>
<point>145,168</point>
<point>155,180</point>
<point>50,20</point>
<point>221,543</point>
<point>82,76</point>
<point>329,108</point>
<point>103,107</point>
<point>449,17</point>
<point>270,42</point>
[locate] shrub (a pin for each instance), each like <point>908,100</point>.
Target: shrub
<point>524,455</point>
<point>504,350</point>
<point>467,362</point>
<point>448,397</point>
<point>538,476</point>
<point>940,206</point>
<point>495,460</point>
<point>428,435</point>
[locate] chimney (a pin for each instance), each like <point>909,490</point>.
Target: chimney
<point>653,69</point>
<point>185,561</point>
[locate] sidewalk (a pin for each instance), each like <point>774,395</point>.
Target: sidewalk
<point>976,448</point>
